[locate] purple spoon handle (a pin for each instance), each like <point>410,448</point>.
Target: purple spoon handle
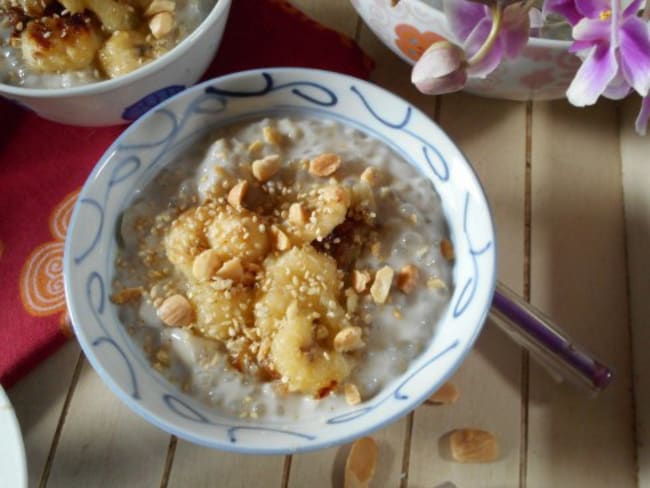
<point>546,341</point>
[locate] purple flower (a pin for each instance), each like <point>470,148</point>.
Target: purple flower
<point>565,8</point>
<point>615,46</point>
<point>474,26</point>
<point>441,69</point>
<point>642,120</point>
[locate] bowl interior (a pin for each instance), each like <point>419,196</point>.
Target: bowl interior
<point>147,146</point>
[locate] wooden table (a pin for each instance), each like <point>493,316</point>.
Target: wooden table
<point>553,175</point>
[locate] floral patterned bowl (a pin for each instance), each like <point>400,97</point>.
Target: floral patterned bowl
<point>146,147</point>
<point>543,71</point>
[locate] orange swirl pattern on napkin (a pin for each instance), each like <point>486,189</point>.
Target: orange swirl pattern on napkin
<point>43,165</point>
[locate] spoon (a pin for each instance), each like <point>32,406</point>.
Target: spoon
<point>547,342</point>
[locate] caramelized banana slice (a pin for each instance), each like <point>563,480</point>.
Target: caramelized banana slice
<point>66,43</point>
<point>308,277</point>
<point>305,365</point>
<point>323,208</point>
<point>218,310</point>
<point>113,15</point>
<point>124,52</point>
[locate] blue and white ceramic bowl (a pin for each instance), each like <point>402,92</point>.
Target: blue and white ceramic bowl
<point>143,150</point>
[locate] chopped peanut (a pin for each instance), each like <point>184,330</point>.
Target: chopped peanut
<point>232,270</point>
<point>381,286</point>
<point>255,147</point>
<point>273,136</point>
<point>360,280</point>
<point>352,395</point>
<point>264,169</point>
<point>351,300</point>
<point>325,164</point>
<point>407,278</point>
<point>371,176</point>
<point>436,284</point>
<point>280,240</point>
<point>348,339</point>
<point>205,265</point>
<point>237,194</point>
<point>447,249</point>
<point>298,214</point>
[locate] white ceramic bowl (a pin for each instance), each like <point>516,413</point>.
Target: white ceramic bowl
<point>542,72</point>
<point>124,99</point>
<point>151,142</point>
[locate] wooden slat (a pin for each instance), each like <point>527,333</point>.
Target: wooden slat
<point>103,443</point>
<point>38,400</point>
<point>635,156</point>
<point>326,468</point>
<point>489,379</point>
<point>198,467</point>
<point>578,278</point>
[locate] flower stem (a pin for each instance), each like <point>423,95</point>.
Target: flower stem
<point>497,20</point>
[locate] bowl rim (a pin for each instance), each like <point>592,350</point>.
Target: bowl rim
<point>221,7</point>
<point>532,41</point>
<point>166,425</point>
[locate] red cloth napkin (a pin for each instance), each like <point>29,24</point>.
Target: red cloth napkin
<point>43,166</point>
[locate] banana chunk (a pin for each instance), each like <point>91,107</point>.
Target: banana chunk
<point>58,44</point>
<point>124,52</point>
<point>114,15</point>
<point>306,276</point>
<point>304,364</point>
<point>323,209</point>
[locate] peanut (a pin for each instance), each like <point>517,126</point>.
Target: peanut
<point>205,265</point>
<point>361,463</point>
<point>352,395</point>
<point>237,193</point>
<point>325,164</point>
<point>371,176</point>
<point>407,278</point>
<point>264,169</point>
<point>161,24</point>
<point>360,280</point>
<point>348,339</point>
<point>298,215</point>
<point>280,240</point>
<point>232,270</point>
<point>381,286</point>
<point>176,311</point>
<point>473,445</point>
<point>447,249</point>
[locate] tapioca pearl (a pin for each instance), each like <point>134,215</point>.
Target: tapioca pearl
<point>410,242</point>
<point>259,409</point>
